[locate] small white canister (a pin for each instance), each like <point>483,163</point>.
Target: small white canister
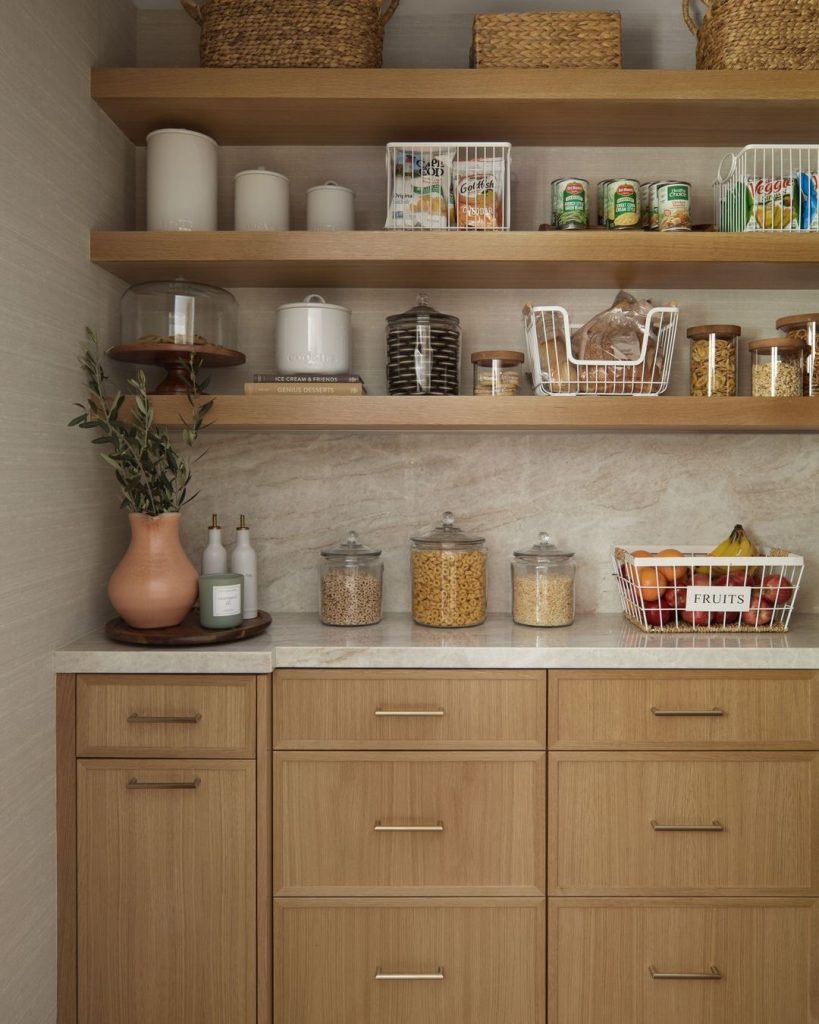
<point>181,181</point>
<point>330,207</point>
<point>261,201</point>
<point>312,337</point>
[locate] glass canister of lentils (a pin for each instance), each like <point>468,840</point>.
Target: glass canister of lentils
<point>805,328</point>
<point>714,360</point>
<point>496,372</point>
<point>351,584</point>
<point>543,585</point>
<point>448,577</point>
<point>777,367</point>
<point>423,351</point>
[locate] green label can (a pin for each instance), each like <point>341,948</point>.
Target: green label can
<point>674,206</point>
<point>624,204</point>
<point>570,207</point>
<point>602,192</point>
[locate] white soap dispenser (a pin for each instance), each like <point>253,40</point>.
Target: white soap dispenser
<point>243,560</point>
<point>214,557</point>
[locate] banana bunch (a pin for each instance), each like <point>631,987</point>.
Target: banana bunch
<point>736,545</point>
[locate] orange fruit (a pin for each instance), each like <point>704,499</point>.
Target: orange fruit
<point>631,570</point>
<point>651,584</point>
<point>670,573</point>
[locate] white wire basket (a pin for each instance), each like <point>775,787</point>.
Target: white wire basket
<point>448,186</point>
<point>698,593</point>
<point>768,188</point>
<point>557,371</point>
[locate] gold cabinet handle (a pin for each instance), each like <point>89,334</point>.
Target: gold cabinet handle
<point>381,976</point>
<point>136,784</point>
<point>137,719</point>
<point>715,826</point>
<point>409,713</point>
<point>380,827</point>
<point>686,713</point>
<point>713,974</point>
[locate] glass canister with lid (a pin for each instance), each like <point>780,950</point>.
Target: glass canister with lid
<point>448,577</point>
<point>714,360</point>
<point>804,327</point>
<point>423,351</point>
<point>351,584</point>
<point>496,372</point>
<point>543,585</point>
<point>777,367</point>
<point>179,313</point>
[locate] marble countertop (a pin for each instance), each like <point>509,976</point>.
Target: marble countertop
<point>594,641</point>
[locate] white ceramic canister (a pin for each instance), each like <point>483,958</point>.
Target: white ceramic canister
<point>261,201</point>
<point>312,337</point>
<point>330,207</point>
<point>181,181</point>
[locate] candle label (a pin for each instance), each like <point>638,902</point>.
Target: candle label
<point>227,600</point>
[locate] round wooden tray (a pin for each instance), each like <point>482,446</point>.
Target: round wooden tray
<point>188,633</point>
<point>168,356</point>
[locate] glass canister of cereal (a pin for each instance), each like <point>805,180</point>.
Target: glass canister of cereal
<point>543,585</point>
<point>777,367</point>
<point>805,328</point>
<point>714,360</point>
<point>448,577</point>
<point>351,584</point>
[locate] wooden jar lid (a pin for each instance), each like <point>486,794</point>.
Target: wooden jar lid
<point>766,344</point>
<point>504,355</point>
<point>726,330</point>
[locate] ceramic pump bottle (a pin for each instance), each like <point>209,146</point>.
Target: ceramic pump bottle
<point>243,560</point>
<point>214,557</point>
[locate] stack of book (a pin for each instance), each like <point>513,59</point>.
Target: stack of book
<point>306,384</point>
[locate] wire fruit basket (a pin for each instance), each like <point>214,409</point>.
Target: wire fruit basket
<point>768,188</point>
<point>556,370</point>
<point>700,593</point>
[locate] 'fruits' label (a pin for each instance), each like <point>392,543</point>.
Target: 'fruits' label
<point>707,599</point>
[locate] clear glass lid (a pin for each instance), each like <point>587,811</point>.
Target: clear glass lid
<point>544,551</point>
<point>448,535</point>
<point>351,549</point>
<point>423,311</point>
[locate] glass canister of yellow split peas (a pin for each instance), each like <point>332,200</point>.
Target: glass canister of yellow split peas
<point>448,577</point>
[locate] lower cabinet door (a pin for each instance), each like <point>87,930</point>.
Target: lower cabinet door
<point>692,961</point>
<point>409,961</point>
<point>166,892</point>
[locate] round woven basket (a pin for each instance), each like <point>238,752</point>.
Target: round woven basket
<point>291,33</point>
<point>757,35</point>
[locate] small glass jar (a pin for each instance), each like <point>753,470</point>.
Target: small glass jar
<point>777,367</point>
<point>351,584</point>
<point>543,585</point>
<point>448,577</point>
<point>496,372</point>
<point>714,360</point>
<point>805,328</point>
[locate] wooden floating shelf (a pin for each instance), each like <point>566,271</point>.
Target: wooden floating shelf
<point>526,107</point>
<point>379,412</point>
<point>518,259</point>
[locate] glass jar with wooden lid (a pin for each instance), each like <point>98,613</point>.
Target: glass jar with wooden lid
<point>804,327</point>
<point>777,367</point>
<point>496,372</point>
<point>714,360</point>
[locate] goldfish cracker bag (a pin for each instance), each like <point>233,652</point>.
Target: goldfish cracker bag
<point>479,191</point>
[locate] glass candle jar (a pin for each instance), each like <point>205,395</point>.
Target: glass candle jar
<point>496,372</point>
<point>543,585</point>
<point>448,577</point>
<point>804,328</point>
<point>714,360</point>
<point>777,368</point>
<point>351,584</point>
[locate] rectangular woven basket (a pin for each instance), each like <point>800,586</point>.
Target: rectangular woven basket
<point>547,39</point>
<point>751,35</point>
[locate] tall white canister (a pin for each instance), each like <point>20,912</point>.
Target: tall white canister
<point>181,181</point>
<point>261,201</point>
<point>330,207</point>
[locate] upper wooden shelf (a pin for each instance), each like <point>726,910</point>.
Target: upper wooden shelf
<point>520,259</point>
<point>379,412</point>
<point>526,107</point>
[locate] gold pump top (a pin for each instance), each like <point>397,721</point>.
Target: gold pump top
<point>214,522</point>
<point>242,524</point>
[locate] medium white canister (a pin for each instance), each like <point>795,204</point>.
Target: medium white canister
<point>181,181</point>
<point>261,201</point>
<point>313,337</point>
<point>330,207</point>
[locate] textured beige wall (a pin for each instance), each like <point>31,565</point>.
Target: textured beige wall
<point>63,169</point>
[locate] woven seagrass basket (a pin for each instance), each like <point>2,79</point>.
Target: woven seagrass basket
<point>764,35</point>
<point>547,39</point>
<point>291,33</point>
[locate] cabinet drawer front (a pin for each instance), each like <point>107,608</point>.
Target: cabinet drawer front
<point>166,716</point>
<point>601,955</point>
<point>410,710</point>
<point>398,824</point>
<point>484,962</point>
<point>680,824</point>
<point>644,710</point>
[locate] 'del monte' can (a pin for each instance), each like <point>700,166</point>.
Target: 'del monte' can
<point>601,202</point>
<point>624,204</point>
<point>674,206</point>
<point>571,203</point>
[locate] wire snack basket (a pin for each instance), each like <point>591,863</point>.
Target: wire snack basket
<point>768,188</point>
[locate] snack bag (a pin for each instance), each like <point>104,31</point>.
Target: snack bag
<point>479,191</point>
<point>421,190</point>
<point>773,204</point>
<point>808,185</point>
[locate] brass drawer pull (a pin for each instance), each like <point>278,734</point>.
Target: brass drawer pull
<point>715,826</point>
<point>684,713</point>
<point>381,976</point>
<point>136,784</point>
<point>137,719</point>
<point>711,975</point>
<point>410,713</point>
<point>437,827</point>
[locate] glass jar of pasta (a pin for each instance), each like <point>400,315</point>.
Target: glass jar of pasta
<point>805,328</point>
<point>777,367</point>
<point>448,577</point>
<point>714,360</point>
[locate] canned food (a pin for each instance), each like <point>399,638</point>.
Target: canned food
<point>554,202</point>
<point>674,206</point>
<point>645,205</point>
<point>601,202</point>
<point>624,204</point>
<point>654,209</point>
<point>571,203</point>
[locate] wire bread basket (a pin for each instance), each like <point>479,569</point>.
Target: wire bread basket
<point>768,188</point>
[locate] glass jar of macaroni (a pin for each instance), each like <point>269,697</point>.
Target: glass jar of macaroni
<point>714,360</point>
<point>448,577</point>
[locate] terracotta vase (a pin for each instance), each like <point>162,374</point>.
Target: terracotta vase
<point>155,584</point>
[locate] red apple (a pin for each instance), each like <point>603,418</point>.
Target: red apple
<point>759,614</point>
<point>696,618</point>
<point>655,614</point>
<point>777,589</point>
<point>674,597</point>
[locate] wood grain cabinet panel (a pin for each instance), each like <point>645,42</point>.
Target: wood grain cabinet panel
<point>683,710</point>
<point>742,961</point>
<point>415,710</point>
<point>166,716</point>
<point>683,823</point>
<point>483,961</point>
<point>166,892</point>
<point>405,823</point>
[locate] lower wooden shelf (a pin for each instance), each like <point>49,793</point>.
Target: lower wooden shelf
<point>465,412</point>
